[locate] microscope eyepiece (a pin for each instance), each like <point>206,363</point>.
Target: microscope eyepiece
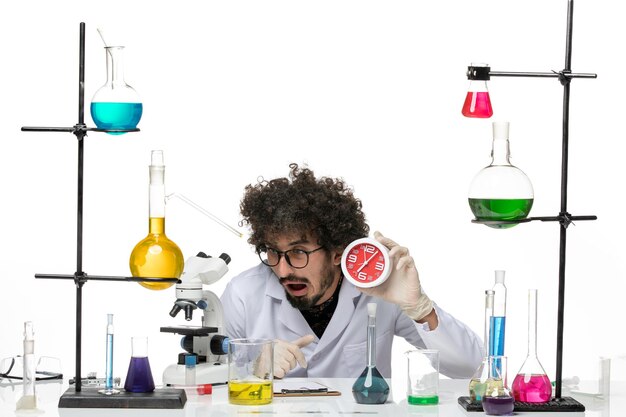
<point>225,257</point>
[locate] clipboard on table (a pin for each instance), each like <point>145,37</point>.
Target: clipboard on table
<point>302,389</point>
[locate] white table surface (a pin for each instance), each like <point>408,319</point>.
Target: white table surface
<point>216,405</point>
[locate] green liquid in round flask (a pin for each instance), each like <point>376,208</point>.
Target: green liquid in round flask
<point>156,256</point>
<point>500,192</point>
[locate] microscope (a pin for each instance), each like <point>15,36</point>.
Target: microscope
<point>203,343</point>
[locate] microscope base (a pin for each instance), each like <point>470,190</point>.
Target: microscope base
<point>206,373</point>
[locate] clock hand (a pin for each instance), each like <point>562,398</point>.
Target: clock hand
<point>367,261</point>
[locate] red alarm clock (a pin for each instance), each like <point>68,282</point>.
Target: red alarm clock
<point>366,263</point>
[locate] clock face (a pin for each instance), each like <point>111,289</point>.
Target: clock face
<point>365,262</point>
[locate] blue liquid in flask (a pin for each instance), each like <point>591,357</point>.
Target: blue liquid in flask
<point>111,115</point>
<point>139,377</point>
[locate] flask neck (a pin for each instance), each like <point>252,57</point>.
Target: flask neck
<point>115,65</point>
<point>478,86</point>
<point>500,152</point>
<point>371,341</point>
<point>532,323</point>
<point>157,226</point>
<point>139,347</point>
<point>157,194</point>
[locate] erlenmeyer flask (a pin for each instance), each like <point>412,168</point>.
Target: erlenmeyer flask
<point>139,376</point>
<point>116,105</point>
<point>497,400</point>
<point>156,256</point>
<point>532,384</point>
<point>477,102</point>
<point>370,387</point>
<point>478,382</point>
<point>500,192</point>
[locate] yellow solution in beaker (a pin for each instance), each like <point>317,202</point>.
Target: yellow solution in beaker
<point>250,393</point>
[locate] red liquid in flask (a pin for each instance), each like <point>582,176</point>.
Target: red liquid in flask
<point>477,104</point>
<point>532,388</point>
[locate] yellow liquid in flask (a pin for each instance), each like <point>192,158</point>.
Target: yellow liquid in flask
<point>156,256</point>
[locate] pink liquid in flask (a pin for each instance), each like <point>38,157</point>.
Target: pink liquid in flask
<point>477,104</point>
<point>532,388</point>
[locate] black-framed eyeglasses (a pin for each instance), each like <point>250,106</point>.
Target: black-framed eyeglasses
<point>296,258</point>
<point>47,368</point>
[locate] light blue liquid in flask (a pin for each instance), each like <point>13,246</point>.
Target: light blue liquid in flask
<point>116,115</point>
<point>370,387</point>
<point>116,105</point>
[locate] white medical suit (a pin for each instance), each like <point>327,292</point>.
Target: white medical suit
<point>255,306</point>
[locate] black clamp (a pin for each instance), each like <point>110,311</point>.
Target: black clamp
<point>565,219</point>
<point>480,73</point>
<point>564,76</point>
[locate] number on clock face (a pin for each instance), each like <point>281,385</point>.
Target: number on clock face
<point>365,262</point>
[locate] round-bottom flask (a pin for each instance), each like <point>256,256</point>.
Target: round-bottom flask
<point>116,105</point>
<point>156,256</point>
<point>497,400</point>
<point>500,192</point>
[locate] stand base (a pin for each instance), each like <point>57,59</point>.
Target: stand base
<point>554,405</point>
<point>91,398</point>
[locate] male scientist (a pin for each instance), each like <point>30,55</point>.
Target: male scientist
<point>297,296</point>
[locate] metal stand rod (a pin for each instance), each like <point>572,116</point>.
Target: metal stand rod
<point>86,278</point>
<point>563,229</point>
<point>541,74</point>
<point>79,209</point>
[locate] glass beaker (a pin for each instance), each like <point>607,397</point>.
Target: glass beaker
<point>370,387</point>
<point>250,371</point>
<point>477,102</point>
<point>497,400</point>
<point>139,376</point>
<point>422,376</point>
<point>116,105</point>
<point>500,191</point>
<point>532,384</point>
<point>156,256</point>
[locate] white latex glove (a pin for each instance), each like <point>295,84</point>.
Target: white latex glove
<point>287,354</point>
<point>403,285</point>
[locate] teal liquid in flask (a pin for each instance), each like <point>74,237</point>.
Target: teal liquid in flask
<point>370,387</point>
<point>116,105</point>
<point>500,192</point>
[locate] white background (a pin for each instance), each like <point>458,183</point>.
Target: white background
<point>370,91</point>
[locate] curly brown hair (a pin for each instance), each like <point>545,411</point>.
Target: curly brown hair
<point>302,204</point>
